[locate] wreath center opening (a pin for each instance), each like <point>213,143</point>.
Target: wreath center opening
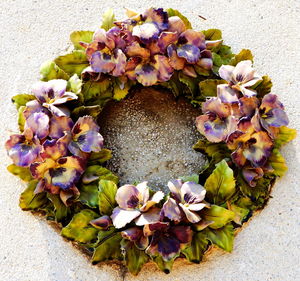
<point>151,135</point>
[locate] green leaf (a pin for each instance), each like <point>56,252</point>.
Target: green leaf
<point>79,228</point>
<point>210,149</point>
<point>222,56</point>
<point>73,63</point>
<point>121,93</point>
<point>244,54</point>
<point>81,36</point>
<point>284,136</point>
<point>107,194</point>
<point>190,82</point>
<point>165,266</point>
<point>74,84</point>
<point>96,172</point>
<point>22,172</point>
<point>97,90</point>
<point>172,12</point>
<point>60,209</point>
<point>108,19</point>
<point>240,214</point>
<point>212,34</point>
<point>89,194</point>
<point>278,163</point>
<point>100,157</point>
<point>22,99</point>
<point>50,70</point>
<point>219,215</point>
<point>193,178</point>
<point>134,258</point>
<point>208,87</point>
<point>176,87</point>
<point>263,87</point>
<point>194,252</point>
<point>93,110</point>
<point>222,237</point>
<point>220,185</point>
<point>21,118</point>
<point>31,201</point>
<point>108,246</point>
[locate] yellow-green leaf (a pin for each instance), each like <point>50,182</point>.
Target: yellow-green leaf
<point>93,110</point>
<point>74,84</point>
<point>278,163</point>
<point>172,12</point>
<point>264,86</point>
<point>208,87</point>
<point>21,118</point>
<point>119,93</point>
<point>89,194</point>
<point>107,194</point>
<point>244,54</point>
<point>284,136</point>
<point>212,34</point>
<point>134,258</point>
<point>79,228</point>
<point>81,36</point>
<point>22,99</point>
<point>96,172</point>
<point>50,70</point>
<point>219,215</point>
<point>222,237</point>
<point>108,19</point>
<point>100,157</point>
<point>165,266</point>
<point>239,213</point>
<point>72,63</point>
<point>60,209</point>
<point>22,172</point>
<point>220,185</point>
<point>31,201</point>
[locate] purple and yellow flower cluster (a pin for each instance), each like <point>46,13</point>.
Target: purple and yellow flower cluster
<point>51,145</point>
<point>148,48</point>
<point>245,122</point>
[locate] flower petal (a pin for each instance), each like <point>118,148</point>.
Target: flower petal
<point>174,60</point>
<point>38,122</point>
<point>175,188</point>
<point>165,39</point>
<point>190,52</point>
<point>168,247</point>
<point>276,117</point>
<point>182,233</point>
<point>216,106</point>
<point>192,192</point>
<point>90,141</point>
<point>149,217</point>
<point>226,94</point>
<point>147,32</point>
<point>171,210</point>
<point>60,125</point>
<point>225,72</point>
<point>165,71</point>
<point>176,24</point>
<point>128,197</point>
<point>135,50</point>
<point>120,63</point>
<point>156,198</point>
<point>121,217</point>
<point>55,148</point>
<point>101,223</point>
<point>132,233</point>
<point>147,75</point>
<point>102,62</point>
<point>194,38</point>
<point>191,216</point>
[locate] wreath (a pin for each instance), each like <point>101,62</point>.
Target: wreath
<point>60,152</point>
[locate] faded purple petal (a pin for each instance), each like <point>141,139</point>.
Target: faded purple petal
<point>176,25</point>
<point>152,216</point>
<point>60,125</point>
<point>121,217</point>
<point>171,210</point>
<point>225,72</point>
<point>102,62</point>
<point>163,67</point>
<point>194,38</point>
<point>190,52</point>
<point>38,122</point>
<point>192,193</point>
<point>120,63</point>
<point>147,75</point>
<point>102,223</point>
<point>226,94</point>
<point>128,197</point>
<point>147,32</point>
<point>90,141</point>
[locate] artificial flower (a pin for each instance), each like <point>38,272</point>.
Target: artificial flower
<point>135,203</point>
<point>167,241</point>
<point>102,223</point>
<point>23,149</point>
<point>217,123</point>
<point>136,235</point>
<point>52,95</point>
<point>85,137</point>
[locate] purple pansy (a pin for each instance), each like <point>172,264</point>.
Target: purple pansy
<point>85,137</point>
<point>52,95</point>
<point>217,123</point>
<point>23,149</point>
<point>167,241</point>
<point>136,235</point>
<point>240,79</point>
<point>189,196</point>
<point>136,203</point>
<point>102,223</point>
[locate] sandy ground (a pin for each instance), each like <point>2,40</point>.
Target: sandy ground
<point>34,31</point>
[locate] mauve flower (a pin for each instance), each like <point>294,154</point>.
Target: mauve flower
<point>217,123</point>
<point>136,235</point>
<point>52,95</point>
<point>189,196</point>
<point>57,172</point>
<point>85,137</point>
<point>249,145</point>
<point>135,203</point>
<point>102,223</point>
<point>23,149</point>
<point>271,113</point>
<point>167,241</point>
<point>240,79</point>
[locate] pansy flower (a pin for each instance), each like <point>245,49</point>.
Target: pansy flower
<point>57,173</point>
<point>102,223</point>
<point>85,137</point>
<point>136,203</point>
<point>52,95</point>
<point>167,241</point>
<point>136,235</point>
<point>249,145</point>
<point>217,123</point>
<point>23,149</point>
<point>240,79</point>
<point>189,196</point>
<point>271,114</point>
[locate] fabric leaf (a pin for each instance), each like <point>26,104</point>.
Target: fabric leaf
<point>284,136</point>
<point>89,194</point>
<point>134,258</point>
<point>212,34</point>
<point>264,87</point>
<point>79,229</point>
<point>100,157</point>
<point>93,110</point>
<point>60,209</point>
<point>107,194</point>
<point>50,70</point>
<point>219,215</point>
<point>239,213</point>
<point>165,266</point>
<point>21,118</point>
<point>244,54</point>
<point>220,185</point>
<point>22,172</point>
<point>208,87</point>
<point>108,19</point>
<point>172,12</point>
<point>74,84</point>
<point>96,172</point>
<point>22,99</point>
<point>210,149</point>
<point>278,163</point>
<point>81,36</point>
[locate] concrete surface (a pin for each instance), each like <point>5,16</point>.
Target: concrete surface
<point>34,31</point>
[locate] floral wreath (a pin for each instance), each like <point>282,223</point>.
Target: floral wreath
<point>60,153</point>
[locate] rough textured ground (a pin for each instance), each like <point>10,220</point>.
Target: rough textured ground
<point>151,136</point>
<point>34,31</point>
